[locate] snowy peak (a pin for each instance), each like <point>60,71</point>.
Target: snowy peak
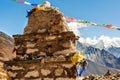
<point>103,42</point>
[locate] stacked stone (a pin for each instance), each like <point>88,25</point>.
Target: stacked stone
<point>37,70</point>
<point>2,74</point>
<point>44,48</point>
<point>46,34</point>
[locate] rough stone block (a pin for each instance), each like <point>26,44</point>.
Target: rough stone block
<point>48,79</point>
<point>31,51</point>
<point>30,45</point>
<point>58,72</point>
<point>67,65</point>
<point>32,74</point>
<point>12,74</point>
<point>65,78</point>
<point>15,68</point>
<point>37,79</point>
<point>45,72</point>
<point>32,67</point>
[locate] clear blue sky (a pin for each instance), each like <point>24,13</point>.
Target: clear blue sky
<point>13,15</point>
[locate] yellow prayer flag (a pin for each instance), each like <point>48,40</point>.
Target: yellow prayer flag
<point>77,57</point>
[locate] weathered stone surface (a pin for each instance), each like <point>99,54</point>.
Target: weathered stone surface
<point>37,79</point>
<point>66,51</point>
<point>34,69</point>
<point>118,74</point>
<point>61,58</point>
<point>45,72</point>
<point>30,45</point>
<point>48,79</point>
<point>65,79</point>
<point>58,72</point>
<point>31,51</point>
<point>51,21</point>
<point>20,79</point>
<point>67,65</point>
<point>32,74</point>
<point>12,74</point>
<point>63,43</point>
<point>15,68</point>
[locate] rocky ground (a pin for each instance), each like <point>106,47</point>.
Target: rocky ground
<point>107,76</point>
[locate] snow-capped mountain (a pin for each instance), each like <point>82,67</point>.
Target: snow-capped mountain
<point>112,45</point>
<point>99,56</point>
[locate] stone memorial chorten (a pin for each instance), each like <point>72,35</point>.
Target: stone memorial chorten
<point>43,51</point>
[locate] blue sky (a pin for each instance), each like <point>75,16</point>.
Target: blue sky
<point>13,15</point>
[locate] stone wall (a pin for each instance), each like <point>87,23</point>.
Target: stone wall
<point>45,44</point>
<point>44,69</point>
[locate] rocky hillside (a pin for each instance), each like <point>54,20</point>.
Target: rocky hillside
<point>97,69</point>
<point>115,51</point>
<point>6,46</point>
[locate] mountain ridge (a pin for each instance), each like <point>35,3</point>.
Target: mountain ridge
<point>96,55</point>
<point>112,45</point>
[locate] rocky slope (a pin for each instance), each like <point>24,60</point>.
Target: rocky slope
<point>6,46</point>
<point>115,51</point>
<point>97,69</point>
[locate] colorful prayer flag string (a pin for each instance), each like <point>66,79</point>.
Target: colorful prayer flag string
<point>73,19</point>
<point>25,2</point>
<point>92,23</point>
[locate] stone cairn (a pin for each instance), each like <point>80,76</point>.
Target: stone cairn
<point>43,51</point>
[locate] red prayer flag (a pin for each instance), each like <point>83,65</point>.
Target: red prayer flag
<point>69,18</point>
<point>108,25</point>
<point>20,1</point>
